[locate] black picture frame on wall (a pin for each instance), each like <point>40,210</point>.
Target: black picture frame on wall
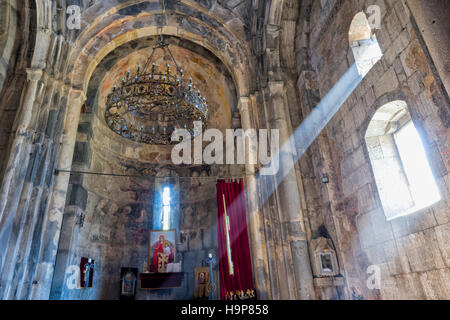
<point>128,283</point>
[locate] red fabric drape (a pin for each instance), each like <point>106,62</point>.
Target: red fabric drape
<point>240,285</point>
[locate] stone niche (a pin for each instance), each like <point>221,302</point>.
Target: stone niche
<point>325,264</point>
<point>324,258</point>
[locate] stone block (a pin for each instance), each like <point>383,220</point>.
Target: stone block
<point>441,212</point>
<point>443,240</point>
<point>402,13</point>
<point>384,40</point>
<point>382,228</point>
<point>393,25</point>
<point>365,230</point>
<point>359,113</point>
<point>414,83</point>
<point>389,290</point>
<point>376,255</point>
<point>423,251</point>
<point>358,158</point>
<point>433,285</point>
<point>389,55</point>
<point>413,59</point>
<point>387,83</point>
<point>436,161</point>
<point>409,286</point>
<point>421,220</point>
<point>393,259</point>
<point>402,42</point>
<point>369,98</point>
<point>367,198</point>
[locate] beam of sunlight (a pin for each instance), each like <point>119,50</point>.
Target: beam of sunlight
<point>307,132</point>
<point>313,125</point>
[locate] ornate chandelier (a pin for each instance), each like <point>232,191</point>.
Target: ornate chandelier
<point>148,106</point>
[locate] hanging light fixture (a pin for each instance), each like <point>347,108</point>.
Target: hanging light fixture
<point>149,105</point>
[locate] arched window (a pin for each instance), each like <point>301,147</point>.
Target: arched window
<point>166,203</point>
<point>166,208</point>
<point>402,173</point>
<point>364,44</point>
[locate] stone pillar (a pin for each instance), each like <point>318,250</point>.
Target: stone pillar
<point>51,117</point>
<point>25,215</point>
<point>21,129</point>
<point>54,215</point>
<point>291,217</point>
<point>255,219</point>
<point>15,172</point>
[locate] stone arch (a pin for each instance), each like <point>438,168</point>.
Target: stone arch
<point>96,48</point>
<point>355,7</point>
<point>404,94</point>
<point>384,99</point>
<point>89,49</point>
<point>221,108</point>
<point>280,33</point>
<point>404,185</point>
<point>363,43</point>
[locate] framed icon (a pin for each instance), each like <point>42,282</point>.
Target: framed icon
<point>162,250</point>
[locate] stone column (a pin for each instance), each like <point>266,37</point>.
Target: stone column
<point>291,217</point>
<point>255,219</point>
<point>54,215</point>
<point>16,169</point>
<point>21,129</point>
<point>47,145</point>
<point>22,229</point>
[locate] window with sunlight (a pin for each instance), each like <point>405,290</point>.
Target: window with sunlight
<point>402,173</point>
<point>166,208</point>
<point>423,187</point>
<point>364,44</point>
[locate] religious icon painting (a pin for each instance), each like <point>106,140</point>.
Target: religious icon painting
<point>326,262</point>
<point>86,272</point>
<point>162,250</point>
<point>201,282</point>
<point>128,279</point>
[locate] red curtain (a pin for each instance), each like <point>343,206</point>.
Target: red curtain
<point>240,284</point>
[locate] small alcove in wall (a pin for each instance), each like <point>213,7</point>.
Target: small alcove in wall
<point>399,162</point>
<point>364,44</point>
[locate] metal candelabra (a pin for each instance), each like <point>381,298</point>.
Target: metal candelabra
<point>212,286</point>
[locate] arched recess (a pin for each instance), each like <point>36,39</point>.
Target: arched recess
<point>216,30</point>
<point>203,27</point>
<point>364,44</point>
<point>162,220</point>
<point>399,162</point>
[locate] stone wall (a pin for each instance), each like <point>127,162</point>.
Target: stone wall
<point>412,251</point>
<point>114,231</point>
<point>256,53</point>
